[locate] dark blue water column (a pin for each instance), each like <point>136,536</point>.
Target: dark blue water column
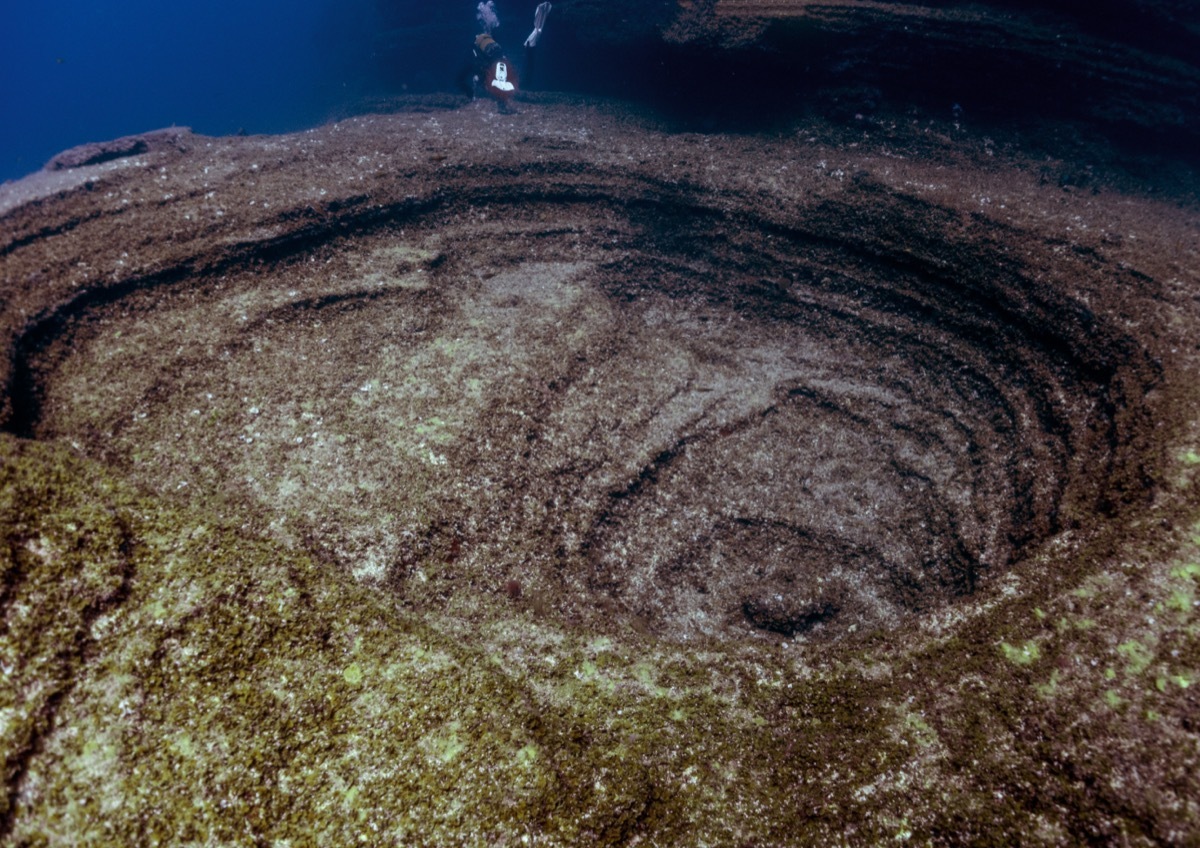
<point>73,71</point>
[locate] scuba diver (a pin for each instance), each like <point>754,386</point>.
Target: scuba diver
<point>488,66</point>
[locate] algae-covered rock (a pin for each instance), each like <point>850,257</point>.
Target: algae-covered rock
<point>459,479</point>
<point>174,682</point>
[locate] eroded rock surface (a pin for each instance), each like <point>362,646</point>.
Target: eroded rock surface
<point>457,477</point>
<point>1129,67</point>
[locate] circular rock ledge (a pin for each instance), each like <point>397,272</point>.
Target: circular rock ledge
<point>608,390</point>
<point>843,385</point>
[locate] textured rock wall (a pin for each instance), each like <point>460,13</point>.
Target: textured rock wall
<point>1130,67</point>
<point>451,478</point>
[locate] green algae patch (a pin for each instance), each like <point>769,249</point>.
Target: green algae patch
<point>353,674</point>
<point>1021,654</point>
<point>444,744</point>
<point>1187,571</point>
<point>1137,657</point>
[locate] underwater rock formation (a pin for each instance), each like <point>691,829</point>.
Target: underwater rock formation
<point>1131,67</point>
<point>454,478</point>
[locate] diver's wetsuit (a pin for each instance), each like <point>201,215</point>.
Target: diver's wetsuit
<point>488,66</point>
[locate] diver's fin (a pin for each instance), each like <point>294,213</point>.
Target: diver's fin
<point>539,21</point>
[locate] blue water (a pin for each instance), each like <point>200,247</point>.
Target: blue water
<point>73,71</point>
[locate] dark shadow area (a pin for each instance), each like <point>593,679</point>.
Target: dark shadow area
<point>799,70</point>
<point>1124,69</point>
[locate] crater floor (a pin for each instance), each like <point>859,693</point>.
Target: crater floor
<point>607,477</point>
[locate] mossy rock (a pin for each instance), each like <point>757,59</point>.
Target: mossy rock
<point>590,484</point>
